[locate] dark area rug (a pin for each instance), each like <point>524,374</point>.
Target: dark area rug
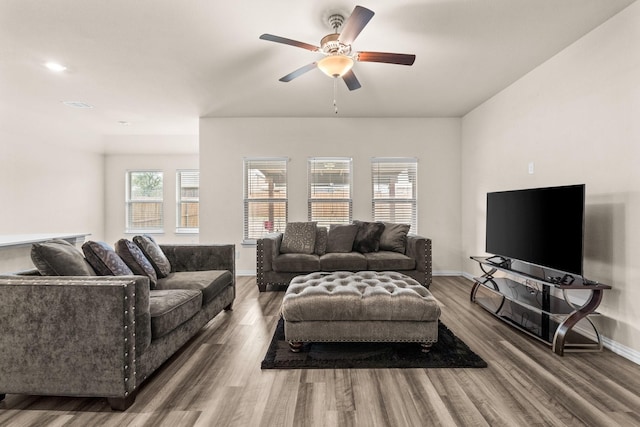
<point>448,352</point>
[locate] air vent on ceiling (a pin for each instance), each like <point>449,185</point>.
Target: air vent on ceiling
<point>77,104</point>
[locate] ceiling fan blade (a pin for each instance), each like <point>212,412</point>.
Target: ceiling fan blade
<point>388,58</point>
<point>300,71</point>
<point>351,80</point>
<point>359,18</point>
<point>278,39</point>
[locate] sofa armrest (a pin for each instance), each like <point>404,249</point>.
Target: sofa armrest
<point>419,248</point>
<point>68,336</point>
<point>201,257</point>
<point>267,249</point>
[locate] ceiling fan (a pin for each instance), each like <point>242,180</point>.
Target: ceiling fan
<point>338,60</point>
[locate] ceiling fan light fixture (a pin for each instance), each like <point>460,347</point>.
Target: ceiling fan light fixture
<point>335,65</point>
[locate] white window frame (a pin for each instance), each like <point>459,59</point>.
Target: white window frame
<point>131,200</point>
<point>316,163</point>
<point>184,200</point>
<point>250,234</point>
<point>409,165</point>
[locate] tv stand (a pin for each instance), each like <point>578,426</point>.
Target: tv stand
<point>528,303</point>
<point>500,261</point>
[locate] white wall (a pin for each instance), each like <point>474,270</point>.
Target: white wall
<point>577,117</point>
<point>47,183</point>
<point>435,142</point>
<point>116,168</point>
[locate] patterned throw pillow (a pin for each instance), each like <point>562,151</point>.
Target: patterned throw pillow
<point>340,238</point>
<point>321,241</point>
<point>104,260</point>
<point>154,254</point>
<point>132,255</point>
<point>368,236</point>
<point>299,238</point>
<point>58,257</point>
<point>394,237</point>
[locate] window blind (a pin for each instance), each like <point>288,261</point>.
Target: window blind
<point>188,200</point>
<point>330,190</point>
<point>265,196</point>
<point>395,195</point>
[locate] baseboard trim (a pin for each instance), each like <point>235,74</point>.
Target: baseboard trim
<point>467,276</point>
<point>446,273</point>
<point>622,350</point>
<point>245,272</point>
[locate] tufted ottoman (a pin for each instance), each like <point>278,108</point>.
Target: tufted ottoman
<point>364,306</point>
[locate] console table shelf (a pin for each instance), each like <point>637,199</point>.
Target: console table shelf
<point>528,303</point>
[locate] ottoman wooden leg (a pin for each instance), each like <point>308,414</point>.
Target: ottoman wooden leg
<point>295,347</point>
<point>426,346</point>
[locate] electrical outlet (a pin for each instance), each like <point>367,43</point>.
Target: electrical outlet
<point>532,168</point>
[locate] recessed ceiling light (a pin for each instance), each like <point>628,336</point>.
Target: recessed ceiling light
<point>77,104</point>
<point>124,122</point>
<point>55,67</point>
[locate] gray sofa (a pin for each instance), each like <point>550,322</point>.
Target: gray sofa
<point>103,336</point>
<point>274,268</point>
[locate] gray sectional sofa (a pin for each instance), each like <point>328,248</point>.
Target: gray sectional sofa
<point>103,336</point>
<point>404,253</point>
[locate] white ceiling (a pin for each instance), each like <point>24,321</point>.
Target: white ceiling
<point>162,64</point>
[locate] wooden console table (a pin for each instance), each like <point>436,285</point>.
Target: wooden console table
<point>527,303</point>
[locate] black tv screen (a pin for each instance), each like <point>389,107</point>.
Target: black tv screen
<point>541,226</point>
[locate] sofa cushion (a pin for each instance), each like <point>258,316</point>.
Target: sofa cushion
<point>154,254</point>
<point>389,261</point>
<point>132,255</point>
<point>394,237</point>
<point>340,238</point>
<point>299,238</point>
<point>352,261</point>
<point>58,257</point>
<point>104,260</point>
<point>209,282</point>
<point>368,236</point>
<point>321,241</point>
<point>171,308</point>
<point>296,263</point>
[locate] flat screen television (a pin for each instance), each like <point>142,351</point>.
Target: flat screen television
<point>540,226</point>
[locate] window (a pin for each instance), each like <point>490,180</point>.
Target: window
<point>188,200</point>
<point>265,196</point>
<point>330,191</point>
<point>395,197</point>
<point>144,208</point>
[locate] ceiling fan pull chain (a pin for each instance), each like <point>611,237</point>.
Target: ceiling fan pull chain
<point>335,94</point>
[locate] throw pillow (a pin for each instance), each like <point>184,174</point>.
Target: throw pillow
<point>368,236</point>
<point>394,237</point>
<point>299,238</point>
<point>321,241</point>
<point>340,238</point>
<point>132,255</point>
<point>58,257</point>
<point>154,254</point>
<point>104,260</point>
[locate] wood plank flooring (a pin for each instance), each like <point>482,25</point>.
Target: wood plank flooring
<point>216,380</point>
